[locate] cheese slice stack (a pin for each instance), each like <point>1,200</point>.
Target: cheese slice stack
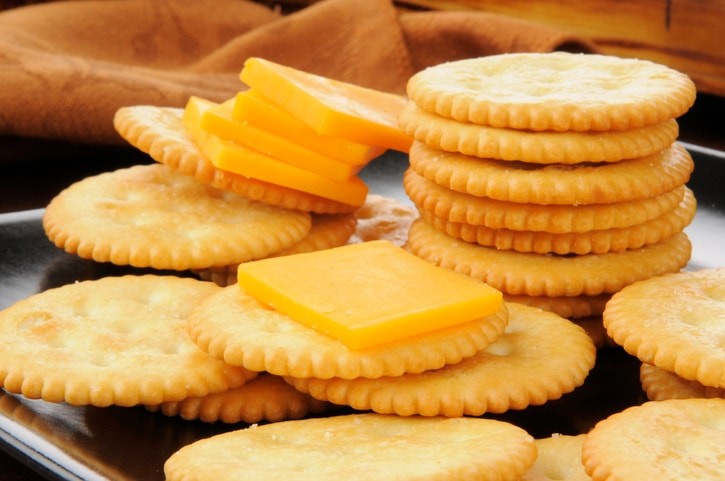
<point>251,107</point>
<point>235,157</point>
<point>298,130</point>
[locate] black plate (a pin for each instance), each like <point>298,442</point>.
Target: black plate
<point>87,443</point>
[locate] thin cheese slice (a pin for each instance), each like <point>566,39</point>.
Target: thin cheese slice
<point>217,119</point>
<point>328,106</point>
<point>367,294</point>
<point>232,157</point>
<point>251,107</point>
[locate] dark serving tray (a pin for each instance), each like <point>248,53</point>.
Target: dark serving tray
<point>87,443</point>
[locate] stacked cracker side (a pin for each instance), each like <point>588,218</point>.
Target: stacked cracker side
<point>555,178</point>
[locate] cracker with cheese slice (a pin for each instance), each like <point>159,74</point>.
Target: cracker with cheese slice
<point>369,309</point>
<point>160,132</point>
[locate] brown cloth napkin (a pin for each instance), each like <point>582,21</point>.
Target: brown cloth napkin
<point>66,67</point>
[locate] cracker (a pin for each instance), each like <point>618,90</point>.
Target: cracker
<point>665,440</point>
<point>571,307</point>
<point>117,340</point>
<point>660,385</point>
<point>266,398</point>
<point>160,132</point>
<point>535,147</point>
<point>558,459</point>
<point>675,322</point>
<point>497,214</point>
<point>327,231</point>
<point>234,326</point>
<point>553,91</point>
<point>580,243</point>
<point>589,183</point>
<point>152,216</point>
<point>530,274</point>
<point>383,218</point>
<point>495,380</point>
<point>363,447</point>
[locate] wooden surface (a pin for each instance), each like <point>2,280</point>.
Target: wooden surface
<point>688,35</point>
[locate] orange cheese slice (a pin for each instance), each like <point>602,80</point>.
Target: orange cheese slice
<point>367,294</point>
<point>233,157</point>
<point>252,108</point>
<point>217,119</point>
<point>328,106</point>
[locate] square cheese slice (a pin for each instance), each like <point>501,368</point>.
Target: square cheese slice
<point>328,106</point>
<point>367,294</point>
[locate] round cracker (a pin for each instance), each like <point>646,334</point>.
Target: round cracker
<point>535,147</point>
<point>675,322</point>
<point>659,385</point>
<point>266,398</point>
<point>495,380</point>
<point>665,440</point>
<point>557,91</point>
<point>580,243</point>
<point>116,340</point>
<point>521,182</point>
<point>327,231</point>
<point>559,458</point>
<point>531,274</point>
<point>558,219</point>
<point>234,326</point>
<point>363,447</point>
<point>160,132</point>
<point>153,216</point>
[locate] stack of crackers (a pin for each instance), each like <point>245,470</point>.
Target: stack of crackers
<point>555,178</point>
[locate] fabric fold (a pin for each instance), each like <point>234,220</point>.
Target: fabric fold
<point>67,66</point>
